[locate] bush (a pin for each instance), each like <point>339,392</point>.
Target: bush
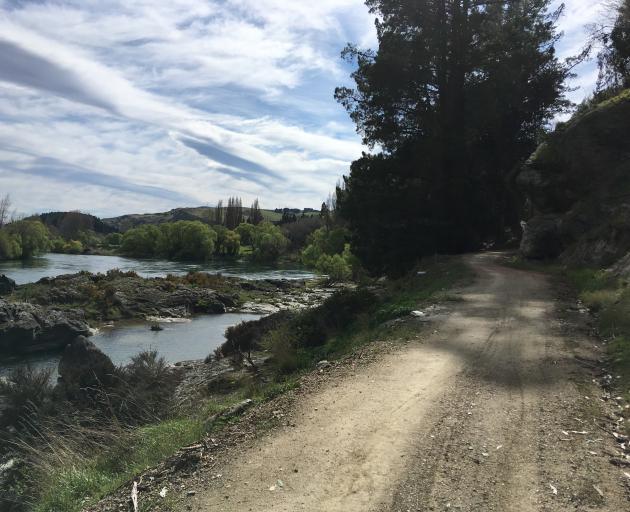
<point>336,313</point>
<point>186,240</point>
<point>182,240</point>
<point>299,231</point>
<point>148,387</point>
<point>73,247</point>
<point>113,239</point>
<point>246,337</point>
<point>335,267</point>
<point>141,242</point>
<point>23,239</point>
<point>10,248</point>
<point>286,334</point>
<point>27,392</point>
<point>281,344</point>
<point>246,232</point>
<point>268,242</point>
<point>324,242</point>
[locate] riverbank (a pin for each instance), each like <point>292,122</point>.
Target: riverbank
<point>46,315</point>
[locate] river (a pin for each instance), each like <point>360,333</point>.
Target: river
<point>179,341</point>
<point>51,265</point>
<point>192,339</point>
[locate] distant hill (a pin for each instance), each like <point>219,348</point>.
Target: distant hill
<point>69,224</point>
<point>202,213</point>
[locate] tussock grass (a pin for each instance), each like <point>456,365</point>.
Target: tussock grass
<point>78,468</point>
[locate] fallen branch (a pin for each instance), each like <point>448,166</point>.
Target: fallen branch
<point>235,410</point>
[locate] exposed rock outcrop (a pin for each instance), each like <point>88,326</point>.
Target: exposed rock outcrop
<point>121,295</point>
<point>578,185</point>
<point>84,366</point>
<point>27,327</point>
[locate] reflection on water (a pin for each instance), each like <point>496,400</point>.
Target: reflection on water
<point>51,265</point>
<point>194,339</point>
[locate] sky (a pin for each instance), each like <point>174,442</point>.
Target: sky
<point>131,106</point>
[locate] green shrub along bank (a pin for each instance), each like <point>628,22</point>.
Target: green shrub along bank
<point>328,251</point>
<point>23,239</point>
<point>196,241</point>
<point>349,318</point>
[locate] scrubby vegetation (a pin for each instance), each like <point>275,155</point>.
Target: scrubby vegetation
<point>297,340</point>
<point>608,297</point>
<point>23,239</point>
<point>70,439</point>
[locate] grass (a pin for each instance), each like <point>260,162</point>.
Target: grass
<point>73,481</point>
<point>407,294</point>
<point>76,483</point>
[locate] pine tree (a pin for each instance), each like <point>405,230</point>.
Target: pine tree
<point>255,215</point>
<point>218,213</point>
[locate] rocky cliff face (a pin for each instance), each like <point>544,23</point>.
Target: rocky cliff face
<point>578,188</point>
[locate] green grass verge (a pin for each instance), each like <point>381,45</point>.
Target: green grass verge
<point>74,485</point>
<point>431,282</point>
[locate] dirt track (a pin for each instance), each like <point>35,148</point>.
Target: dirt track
<point>478,416</point>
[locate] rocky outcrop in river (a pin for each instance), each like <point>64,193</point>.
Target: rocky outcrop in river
<point>27,327</point>
<point>82,366</point>
<point>117,295</point>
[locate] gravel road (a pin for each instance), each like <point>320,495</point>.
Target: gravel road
<point>489,411</point>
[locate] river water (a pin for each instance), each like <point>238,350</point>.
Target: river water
<point>51,265</point>
<point>192,339</point>
<point>179,341</point>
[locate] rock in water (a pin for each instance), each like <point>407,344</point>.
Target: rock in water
<point>83,365</point>
<point>7,285</point>
<point>27,327</point>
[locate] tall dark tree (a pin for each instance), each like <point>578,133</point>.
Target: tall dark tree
<point>219,213</point>
<point>234,212</point>
<point>255,215</point>
<point>613,39</point>
<point>325,215</point>
<point>455,97</point>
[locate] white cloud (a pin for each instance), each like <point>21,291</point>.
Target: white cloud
<point>116,106</point>
<point>106,87</point>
